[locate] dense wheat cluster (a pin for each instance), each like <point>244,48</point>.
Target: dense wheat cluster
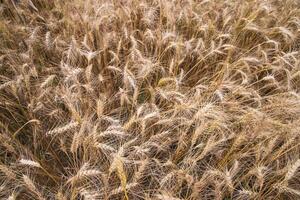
<point>149,99</point>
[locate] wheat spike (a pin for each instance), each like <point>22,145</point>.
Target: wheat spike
<point>63,129</point>
<point>30,163</point>
<point>292,169</point>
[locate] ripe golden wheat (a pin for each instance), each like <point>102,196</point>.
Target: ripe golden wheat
<point>149,99</point>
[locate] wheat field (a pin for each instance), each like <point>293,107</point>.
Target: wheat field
<point>149,99</point>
